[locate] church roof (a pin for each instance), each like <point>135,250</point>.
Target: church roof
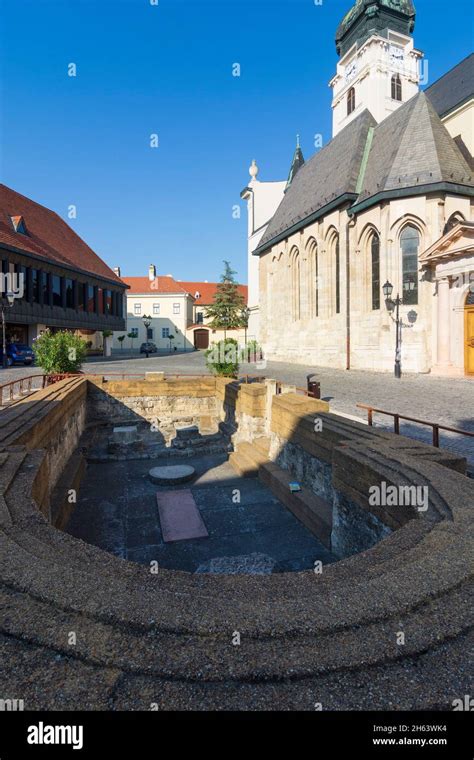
<point>454,88</point>
<point>410,148</point>
<point>406,153</point>
<point>326,178</point>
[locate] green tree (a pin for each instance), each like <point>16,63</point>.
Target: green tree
<point>226,311</point>
<point>132,338</point>
<point>60,352</point>
<point>121,339</point>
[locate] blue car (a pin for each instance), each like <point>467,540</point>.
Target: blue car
<point>18,353</point>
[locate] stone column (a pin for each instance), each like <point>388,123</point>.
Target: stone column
<point>443,359</point>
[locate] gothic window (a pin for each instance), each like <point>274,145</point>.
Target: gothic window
<point>410,243</point>
<point>396,87</point>
<point>337,267</point>
<point>316,282</point>
<point>351,101</point>
<point>296,286</point>
<point>375,270</point>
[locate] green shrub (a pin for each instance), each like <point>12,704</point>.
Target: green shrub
<point>222,358</point>
<point>60,352</point>
<point>253,351</point>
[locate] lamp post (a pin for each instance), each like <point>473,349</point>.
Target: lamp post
<point>146,319</point>
<point>394,305</point>
<point>245,314</point>
<point>7,302</point>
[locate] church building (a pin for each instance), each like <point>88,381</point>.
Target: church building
<point>385,208</point>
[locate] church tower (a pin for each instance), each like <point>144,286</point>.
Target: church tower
<point>379,67</point>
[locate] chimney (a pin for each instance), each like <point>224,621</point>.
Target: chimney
<point>151,272</point>
<point>117,271</point>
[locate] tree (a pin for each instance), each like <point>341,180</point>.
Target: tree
<point>226,311</point>
<point>132,337</point>
<point>60,352</point>
<point>121,339</point>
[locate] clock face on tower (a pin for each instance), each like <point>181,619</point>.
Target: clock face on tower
<point>397,56</point>
<point>350,71</point>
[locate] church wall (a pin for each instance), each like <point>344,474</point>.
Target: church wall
<point>289,327</point>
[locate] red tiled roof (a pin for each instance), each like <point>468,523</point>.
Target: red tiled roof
<point>208,290</point>
<point>49,236</point>
<point>161,284</point>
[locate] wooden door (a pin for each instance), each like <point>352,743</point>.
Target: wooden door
<point>469,339</point>
<point>201,338</point>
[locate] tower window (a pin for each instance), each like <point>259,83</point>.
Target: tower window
<point>396,87</point>
<point>351,101</point>
<point>337,282</point>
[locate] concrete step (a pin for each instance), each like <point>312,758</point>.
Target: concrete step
<point>262,444</point>
<point>311,510</point>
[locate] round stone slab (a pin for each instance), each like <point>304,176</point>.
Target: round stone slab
<point>171,474</point>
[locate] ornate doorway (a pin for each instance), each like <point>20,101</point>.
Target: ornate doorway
<point>469,334</point>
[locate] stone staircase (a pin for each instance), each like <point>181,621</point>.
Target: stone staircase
<point>249,457</point>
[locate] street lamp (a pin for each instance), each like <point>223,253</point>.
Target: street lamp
<point>394,305</point>
<point>7,302</point>
<point>244,315</point>
<point>146,319</point>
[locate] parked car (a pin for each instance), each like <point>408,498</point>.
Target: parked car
<point>148,348</point>
<point>18,353</point>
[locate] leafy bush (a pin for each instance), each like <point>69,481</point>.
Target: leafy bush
<point>253,351</point>
<point>222,358</point>
<point>60,352</point>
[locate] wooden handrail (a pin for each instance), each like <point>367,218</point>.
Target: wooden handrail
<point>435,426</point>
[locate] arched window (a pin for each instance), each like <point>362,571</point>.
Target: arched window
<point>316,282</point>
<point>375,270</point>
<point>337,267</point>
<point>296,286</point>
<point>396,87</point>
<point>351,101</point>
<point>410,242</point>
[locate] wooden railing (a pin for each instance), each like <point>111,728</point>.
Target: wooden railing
<point>435,426</point>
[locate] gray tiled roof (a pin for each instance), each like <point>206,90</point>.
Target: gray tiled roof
<point>409,149</point>
<point>328,175</point>
<point>453,88</point>
<point>412,147</point>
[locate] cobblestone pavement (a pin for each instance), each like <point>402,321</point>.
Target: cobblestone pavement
<point>447,401</point>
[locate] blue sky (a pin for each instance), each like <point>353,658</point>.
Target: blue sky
<point>167,69</point>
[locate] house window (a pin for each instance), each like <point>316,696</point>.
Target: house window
<point>410,242</point>
<point>137,309</point>
<point>351,101</point>
<point>81,296</point>
<point>200,318</point>
<point>35,286</point>
<point>396,87</point>
<point>134,332</point>
<point>149,333</point>
<point>90,299</point>
<point>375,271</point>
<point>46,285</point>
<point>69,294</point>
<point>165,332</point>
<point>176,308</point>
<point>56,288</point>
<point>156,308</point>
<point>338,276</point>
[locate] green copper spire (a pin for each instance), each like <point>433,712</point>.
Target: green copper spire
<point>369,17</point>
<point>296,164</point>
